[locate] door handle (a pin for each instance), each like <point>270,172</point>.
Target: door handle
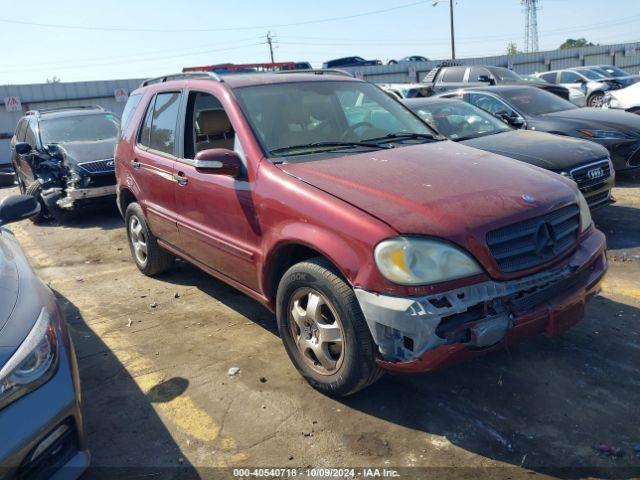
<point>180,178</point>
<point>135,164</point>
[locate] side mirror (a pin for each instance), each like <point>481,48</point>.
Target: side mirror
<point>18,207</point>
<point>485,79</point>
<point>23,148</point>
<point>510,118</point>
<point>218,161</point>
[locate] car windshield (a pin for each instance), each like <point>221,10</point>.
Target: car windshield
<point>459,120</point>
<point>302,118</point>
<point>505,74</point>
<point>536,101</point>
<point>614,72</point>
<point>591,74</point>
<point>80,128</point>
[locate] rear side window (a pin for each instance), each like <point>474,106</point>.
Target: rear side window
<point>549,77</point>
<point>129,109</point>
<point>453,74</point>
<point>159,128</point>
<point>476,72</point>
<point>569,77</point>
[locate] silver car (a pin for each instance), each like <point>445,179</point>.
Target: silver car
<point>41,430</point>
<point>587,86</point>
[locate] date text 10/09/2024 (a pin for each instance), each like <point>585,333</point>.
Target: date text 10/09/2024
<point>315,472</point>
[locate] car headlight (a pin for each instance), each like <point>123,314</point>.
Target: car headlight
<point>585,213</point>
<point>32,364</point>
<point>421,261</point>
<point>605,134</point>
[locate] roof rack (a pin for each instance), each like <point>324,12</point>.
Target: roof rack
<point>182,76</point>
<point>319,71</point>
<point>61,109</point>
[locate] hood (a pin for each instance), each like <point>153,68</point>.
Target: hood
<point>81,152</point>
<point>600,119</point>
<point>544,150</point>
<point>441,189</point>
<point>9,281</point>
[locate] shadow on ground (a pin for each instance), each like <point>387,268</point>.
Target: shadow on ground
<point>115,406</point>
<point>542,406</point>
<point>621,224</point>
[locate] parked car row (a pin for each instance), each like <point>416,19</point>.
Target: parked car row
<point>384,236</point>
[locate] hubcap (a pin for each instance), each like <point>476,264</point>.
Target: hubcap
<point>138,240</point>
<point>597,101</point>
<point>316,330</point>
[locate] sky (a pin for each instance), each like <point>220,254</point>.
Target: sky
<point>78,40</point>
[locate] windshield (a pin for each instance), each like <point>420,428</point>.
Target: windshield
<point>80,128</point>
<point>535,101</point>
<point>459,120</point>
<point>614,71</point>
<point>327,116</point>
<point>591,74</point>
<point>505,74</point>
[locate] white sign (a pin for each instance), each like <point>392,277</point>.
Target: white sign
<point>13,104</point>
<point>121,95</point>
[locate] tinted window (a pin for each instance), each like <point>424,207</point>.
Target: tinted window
<point>475,72</point>
<point>143,138</point>
<point>21,130</point>
<point>592,74</point>
<point>459,120</point>
<point>549,77</point>
<point>162,136</point>
<point>30,136</point>
<point>489,103</point>
<point>453,74</point>
<point>614,71</point>
<point>536,101</point>
<point>79,128</point>
<point>569,77</point>
<point>505,74</point>
<point>129,108</point>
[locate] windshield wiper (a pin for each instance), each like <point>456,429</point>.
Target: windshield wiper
<point>325,146</point>
<point>402,136</point>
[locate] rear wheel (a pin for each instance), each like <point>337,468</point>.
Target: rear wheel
<point>150,257</point>
<point>324,331</point>
<point>596,100</point>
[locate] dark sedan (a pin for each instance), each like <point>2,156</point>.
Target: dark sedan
<point>585,162</point>
<point>41,431</point>
<point>531,108</point>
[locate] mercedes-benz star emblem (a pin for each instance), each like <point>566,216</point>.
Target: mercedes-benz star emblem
<point>545,240</point>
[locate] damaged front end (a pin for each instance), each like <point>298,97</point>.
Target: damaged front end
<point>474,318</point>
<point>65,183</point>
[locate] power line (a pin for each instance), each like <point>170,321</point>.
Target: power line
<point>195,30</point>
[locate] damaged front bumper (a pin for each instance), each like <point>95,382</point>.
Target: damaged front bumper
<point>419,334</point>
<point>67,198</point>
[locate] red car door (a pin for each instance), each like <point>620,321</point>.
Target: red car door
<point>217,223</point>
<point>153,164</point>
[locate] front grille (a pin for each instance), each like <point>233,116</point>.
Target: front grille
<point>592,176</point>
<point>598,199</point>
<point>535,241</point>
<point>99,166</point>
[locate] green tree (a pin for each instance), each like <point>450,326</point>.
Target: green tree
<point>512,48</point>
<point>575,43</point>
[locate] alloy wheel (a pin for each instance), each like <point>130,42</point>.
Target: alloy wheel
<point>316,330</point>
<point>138,240</point>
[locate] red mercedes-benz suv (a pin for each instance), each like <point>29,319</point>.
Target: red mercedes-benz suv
<point>377,243</point>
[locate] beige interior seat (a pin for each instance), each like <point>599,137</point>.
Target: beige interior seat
<point>213,130</point>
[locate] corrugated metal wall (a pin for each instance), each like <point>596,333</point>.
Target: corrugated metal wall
<point>49,95</point>
<point>625,55</point>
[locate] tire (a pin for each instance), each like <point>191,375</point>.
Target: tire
<point>595,100</point>
<point>151,259</point>
<point>35,189</point>
<point>350,364</point>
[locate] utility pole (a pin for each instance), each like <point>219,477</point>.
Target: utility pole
<point>270,43</point>
<point>453,42</point>
<point>531,8</point>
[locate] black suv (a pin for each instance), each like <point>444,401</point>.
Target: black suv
<point>64,157</point>
<point>447,77</point>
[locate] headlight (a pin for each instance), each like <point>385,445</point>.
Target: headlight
<point>33,363</point>
<point>605,134</point>
<point>420,261</point>
<point>585,213</point>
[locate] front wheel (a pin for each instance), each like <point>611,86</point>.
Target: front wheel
<point>596,100</point>
<point>35,190</point>
<point>324,331</point>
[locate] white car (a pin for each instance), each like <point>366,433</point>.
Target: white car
<point>624,99</point>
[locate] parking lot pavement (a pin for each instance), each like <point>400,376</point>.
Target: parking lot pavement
<point>154,356</point>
